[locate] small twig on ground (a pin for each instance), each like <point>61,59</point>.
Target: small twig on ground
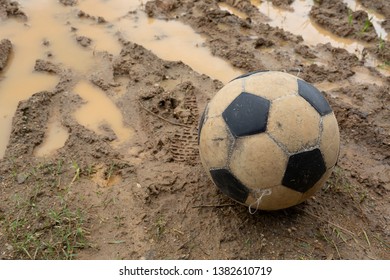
<point>366,236</point>
<point>161,118</point>
<point>116,242</point>
<point>178,231</point>
<point>337,249</point>
<point>185,211</point>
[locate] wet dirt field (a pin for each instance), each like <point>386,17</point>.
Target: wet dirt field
<point>99,109</point>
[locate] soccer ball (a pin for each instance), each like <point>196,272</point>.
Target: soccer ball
<point>268,140</point>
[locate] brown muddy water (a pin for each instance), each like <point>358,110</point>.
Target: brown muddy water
<point>298,22</point>
<point>99,112</point>
<point>52,22</point>
<point>51,30</point>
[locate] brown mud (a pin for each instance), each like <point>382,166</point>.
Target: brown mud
<point>336,16</point>
<point>132,186</point>
<point>5,52</point>
<point>11,9</point>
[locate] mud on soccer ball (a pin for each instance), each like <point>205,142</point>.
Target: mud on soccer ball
<point>268,140</point>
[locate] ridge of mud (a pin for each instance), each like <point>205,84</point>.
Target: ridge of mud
<point>5,51</point>
<point>28,125</point>
<point>285,4</point>
<point>246,38</point>
<point>68,2</point>
<point>42,65</point>
<point>339,65</point>
<point>382,51</point>
<point>382,7</point>
<point>362,123</point>
<point>335,15</point>
<point>386,25</point>
<point>9,8</point>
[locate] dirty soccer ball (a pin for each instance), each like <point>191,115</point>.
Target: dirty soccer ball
<point>268,140</point>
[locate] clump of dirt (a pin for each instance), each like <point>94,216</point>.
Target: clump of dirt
<point>362,122</point>
<point>5,51</point>
<point>28,126</point>
<point>335,15</point>
<point>68,2</point>
<point>84,41</point>
<point>246,7</point>
<point>98,19</point>
<point>382,7</point>
<point>46,66</point>
<point>305,52</point>
<point>381,50</point>
<point>11,9</point>
<point>339,64</point>
<point>386,25</point>
<point>285,4</point>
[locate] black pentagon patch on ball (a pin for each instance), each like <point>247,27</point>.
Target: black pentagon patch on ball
<point>249,74</point>
<point>229,184</point>
<point>247,114</point>
<point>314,97</point>
<point>304,170</point>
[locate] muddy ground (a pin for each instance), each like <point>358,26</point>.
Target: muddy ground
<point>150,197</point>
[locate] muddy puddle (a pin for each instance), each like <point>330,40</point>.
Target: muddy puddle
<point>52,32</point>
<point>172,40</point>
<point>56,136</point>
<point>298,22</point>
